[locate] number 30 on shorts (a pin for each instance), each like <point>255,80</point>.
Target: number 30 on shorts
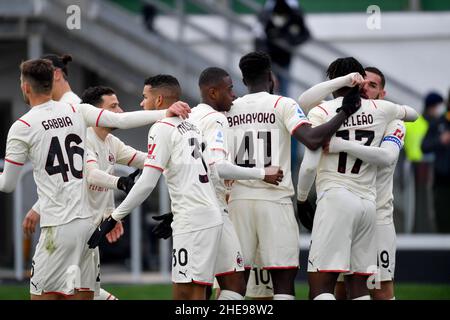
<point>181,257</point>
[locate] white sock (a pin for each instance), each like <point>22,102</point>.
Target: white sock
<point>325,296</point>
<point>104,295</point>
<point>229,295</point>
<point>283,297</point>
<point>393,298</point>
<point>366,297</point>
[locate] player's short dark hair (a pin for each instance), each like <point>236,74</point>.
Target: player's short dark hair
<point>93,95</point>
<point>59,62</point>
<point>343,66</point>
<point>168,83</point>
<point>378,72</point>
<point>212,76</point>
<point>255,66</point>
<point>39,74</point>
<point>162,80</point>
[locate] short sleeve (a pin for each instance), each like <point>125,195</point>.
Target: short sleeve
<point>317,116</point>
<point>395,133</point>
<point>124,153</point>
<point>391,110</point>
<point>215,137</point>
<point>291,113</point>
<point>159,146</point>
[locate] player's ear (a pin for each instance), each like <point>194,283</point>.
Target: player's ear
<point>57,74</point>
<point>212,93</point>
<point>159,101</point>
<point>382,94</point>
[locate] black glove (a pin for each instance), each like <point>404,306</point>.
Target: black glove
<point>351,102</point>
<point>126,183</point>
<point>163,229</point>
<point>306,211</point>
<point>106,226</point>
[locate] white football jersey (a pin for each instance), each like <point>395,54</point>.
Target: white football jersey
<point>395,133</point>
<point>366,126</point>
<point>175,148</point>
<point>261,126</point>
<point>52,136</point>
<point>213,126</point>
<point>70,97</point>
<point>106,153</point>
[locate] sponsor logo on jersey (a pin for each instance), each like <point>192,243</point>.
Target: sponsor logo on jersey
<point>151,148</point>
<point>219,136</point>
<point>299,112</point>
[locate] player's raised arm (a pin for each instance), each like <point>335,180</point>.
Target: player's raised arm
<point>316,94</point>
<point>96,117</point>
<point>314,138</point>
<point>396,111</point>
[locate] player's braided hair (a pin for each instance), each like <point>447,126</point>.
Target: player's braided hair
<point>212,76</point>
<point>59,62</point>
<point>343,66</point>
<point>255,66</point>
<point>93,95</point>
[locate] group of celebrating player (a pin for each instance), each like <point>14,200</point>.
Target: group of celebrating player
<point>227,165</point>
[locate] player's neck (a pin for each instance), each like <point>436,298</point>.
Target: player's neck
<point>101,132</point>
<point>59,91</point>
<point>258,88</point>
<point>38,100</point>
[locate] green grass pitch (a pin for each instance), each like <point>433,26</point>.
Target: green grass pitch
<point>164,291</point>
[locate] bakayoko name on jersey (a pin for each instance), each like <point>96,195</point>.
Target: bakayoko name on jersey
<point>249,118</point>
<point>57,123</point>
<point>358,120</point>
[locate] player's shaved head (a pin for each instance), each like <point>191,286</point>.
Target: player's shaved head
<point>94,95</point>
<point>211,77</point>
<point>216,88</point>
<point>38,73</point>
<point>165,83</point>
<point>255,67</point>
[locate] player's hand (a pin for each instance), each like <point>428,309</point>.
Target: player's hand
<point>115,233</point>
<point>104,228</point>
<point>179,109</point>
<point>355,79</point>
<point>30,222</point>
<point>351,102</point>
<point>126,183</point>
<point>163,230</point>
<point>306,211</point>
<point>274,175</point>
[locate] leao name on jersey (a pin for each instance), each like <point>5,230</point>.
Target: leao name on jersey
<point>57,123</point>
<point>358,120</point>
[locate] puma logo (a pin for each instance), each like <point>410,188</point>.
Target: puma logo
<point>183,273</point>
<point>221,124</point>
<point>34,285</point>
